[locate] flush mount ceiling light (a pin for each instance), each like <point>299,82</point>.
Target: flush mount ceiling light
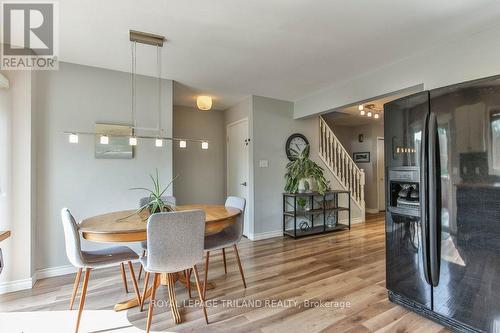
<point>204,103</point>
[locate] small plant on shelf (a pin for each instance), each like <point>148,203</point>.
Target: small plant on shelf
<point>302,203</point>
<point>303,169</point>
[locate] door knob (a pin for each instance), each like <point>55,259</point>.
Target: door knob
<point>244,184</point>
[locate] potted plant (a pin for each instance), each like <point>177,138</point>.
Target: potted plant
<point>156,204</point>
<point>302,202</point>
<point>302,171</point>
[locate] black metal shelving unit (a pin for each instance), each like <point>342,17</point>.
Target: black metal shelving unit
<point>318,206</point>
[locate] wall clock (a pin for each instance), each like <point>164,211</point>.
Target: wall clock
<point>295,144</point>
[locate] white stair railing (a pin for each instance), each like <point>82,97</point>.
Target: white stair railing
<point>340,163</point>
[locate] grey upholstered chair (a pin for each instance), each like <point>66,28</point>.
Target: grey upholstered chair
<point>168,199</point>
<point>175,244</point>
<point>226,238</point>
<point>92,259</point>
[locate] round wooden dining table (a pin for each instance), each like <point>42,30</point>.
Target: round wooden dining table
<point>125,226</point>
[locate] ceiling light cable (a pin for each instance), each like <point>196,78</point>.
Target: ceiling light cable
<point>158,56</point>
<point>134,52</point>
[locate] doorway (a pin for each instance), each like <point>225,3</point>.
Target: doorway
<point>380,174</point>
<point>237,164</point>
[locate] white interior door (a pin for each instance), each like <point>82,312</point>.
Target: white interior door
<point>237,164</point>
<point>381,174</point>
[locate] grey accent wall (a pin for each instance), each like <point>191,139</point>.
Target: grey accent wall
<point>68,175</point>
<point>348,136</point>
<point>201,173</point>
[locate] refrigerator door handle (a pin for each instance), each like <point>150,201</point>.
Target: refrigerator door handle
<point>424,221</point>
<point>434,200</point>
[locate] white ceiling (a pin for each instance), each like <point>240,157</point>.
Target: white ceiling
<point>186,96</point>
<point>285,49</point>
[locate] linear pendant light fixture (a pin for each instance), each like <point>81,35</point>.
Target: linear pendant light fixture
<point>157,41</point>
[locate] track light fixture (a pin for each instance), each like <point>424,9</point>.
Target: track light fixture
<point>157,41</point>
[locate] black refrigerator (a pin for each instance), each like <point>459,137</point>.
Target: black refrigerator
<point>442,158</point>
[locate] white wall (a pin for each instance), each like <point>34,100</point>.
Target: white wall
<point>68,175</point>
<point>201,173</point>
<point>18,186</point>
<point>472,57</point>
<point>5,157</point>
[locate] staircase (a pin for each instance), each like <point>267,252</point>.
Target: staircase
<point>341,165</point>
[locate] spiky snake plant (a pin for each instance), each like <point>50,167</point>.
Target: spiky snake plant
<point>156,204</point>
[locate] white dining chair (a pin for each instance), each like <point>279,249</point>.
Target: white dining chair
<point>88,260</point>
<point>229,237</point>
<point>174,244</point>
<point>168,199</point>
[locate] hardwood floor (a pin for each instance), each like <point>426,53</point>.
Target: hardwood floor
<point>325,283</point>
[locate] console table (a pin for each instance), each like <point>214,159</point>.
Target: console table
<point>311,218</point>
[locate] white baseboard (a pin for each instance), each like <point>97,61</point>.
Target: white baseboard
<point>62,270</point>
<point>54,271</point>
<point>279,233</point>
<point>11,286</point>
<point>354,220</point>
<point>371,210</point>
<point>265,235</point>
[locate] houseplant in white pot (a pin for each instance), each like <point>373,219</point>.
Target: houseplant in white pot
<point>302,171</point>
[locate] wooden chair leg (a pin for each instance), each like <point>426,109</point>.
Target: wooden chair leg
<point>140,268</point>
<point>205,282</point>
<point>224,258</point>
<point>202,298</point>
<point>152,303</point>
<point>172,298</point>
<point>82,298</point>
<point>143,298</point>
<point>187,275</point>
<point>124,277</point>
<point>75,288</point>
<point>134,282</point>
<point>239,265</point>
